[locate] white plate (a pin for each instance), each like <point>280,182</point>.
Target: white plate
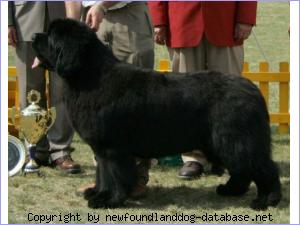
<point>16,155</point>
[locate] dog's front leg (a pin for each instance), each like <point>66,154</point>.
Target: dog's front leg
<point>115,178</point>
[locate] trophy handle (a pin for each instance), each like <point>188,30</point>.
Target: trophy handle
<point>51,117</point>
<point>14,113</point>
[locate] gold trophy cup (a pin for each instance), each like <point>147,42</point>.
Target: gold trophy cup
<point>34,124</point>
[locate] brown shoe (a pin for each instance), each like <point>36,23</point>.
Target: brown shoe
<point>140,189</point>
<point>190,170</point>
<point>67,164</point>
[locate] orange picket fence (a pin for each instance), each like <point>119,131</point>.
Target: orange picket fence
<point>264,77</point>
<point>13,97</point>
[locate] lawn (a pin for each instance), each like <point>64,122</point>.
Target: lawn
<point>168,195</point>
<point>55,194</point>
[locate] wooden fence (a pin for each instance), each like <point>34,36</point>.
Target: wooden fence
<point>13,98</point>
<point>264,77</point>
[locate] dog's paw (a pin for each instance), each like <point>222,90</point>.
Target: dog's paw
<point>89,193</point>
<point>222,190</point>
<point>102,201</point>
<point>274,198</point>
<point>259,204</point>
<point>96,203</point>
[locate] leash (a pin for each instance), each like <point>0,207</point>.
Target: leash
<point>262,52</point>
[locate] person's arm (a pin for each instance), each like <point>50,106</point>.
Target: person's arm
<point>242,31</point>
<point>73,9</point>
<point>245,19</point>
<point>246,12</point>
<point>12,33</point>
<point>160,34</point>
<point>97,12</point>
<point>159,15</point>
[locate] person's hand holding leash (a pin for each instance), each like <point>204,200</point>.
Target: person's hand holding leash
<point>160,35</point>
<point>242,31</point>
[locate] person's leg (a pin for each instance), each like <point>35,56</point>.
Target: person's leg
<point>31,79</point>
<point>189,60</point>
<point>132,42</point>
<point>139,52</point>
<point>61,133</point>
<point>142,166</point>
<point>28,78</point>
<point>128,31</point>
<point>225,59</point>
<point>141,39</point>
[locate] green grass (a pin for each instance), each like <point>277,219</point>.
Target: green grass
<point>56,193</point>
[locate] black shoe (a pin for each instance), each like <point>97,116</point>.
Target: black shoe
<point>42,158</point>
<point>191,170</point>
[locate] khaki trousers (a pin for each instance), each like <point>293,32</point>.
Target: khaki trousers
<point>128,32</point>
<point>206,57</point>
<point>60,135</point>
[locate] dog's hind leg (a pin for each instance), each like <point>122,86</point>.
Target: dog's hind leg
<point>266,178</point>
<point>231,153</point>
<point>115,178</point>
<point>238,184</point>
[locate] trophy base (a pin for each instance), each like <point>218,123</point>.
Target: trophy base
<point>31,170</point>
<point>31,167</point>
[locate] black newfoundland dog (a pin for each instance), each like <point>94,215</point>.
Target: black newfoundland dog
<point>124,112</point>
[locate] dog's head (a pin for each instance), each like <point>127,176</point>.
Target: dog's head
<point>67,48</point>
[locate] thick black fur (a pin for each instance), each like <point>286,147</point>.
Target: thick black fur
<point>123,112</point>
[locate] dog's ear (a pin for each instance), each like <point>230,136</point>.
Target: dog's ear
<point>68,61</point>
